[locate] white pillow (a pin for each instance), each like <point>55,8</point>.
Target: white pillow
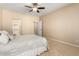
<point>5,32</point>
<point>4,39</point>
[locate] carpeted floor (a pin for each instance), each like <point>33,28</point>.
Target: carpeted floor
<point>59,49</point>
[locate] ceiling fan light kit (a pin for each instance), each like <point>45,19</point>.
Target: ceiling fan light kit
<point>35,7</point>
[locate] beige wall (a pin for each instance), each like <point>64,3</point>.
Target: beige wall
<point>0,17</point>
<point>27,21</point>
<point>63,24</point>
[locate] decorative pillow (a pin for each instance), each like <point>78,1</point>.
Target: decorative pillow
<point>4,39</point>
<point>6,33</point>
<point>10,36</point>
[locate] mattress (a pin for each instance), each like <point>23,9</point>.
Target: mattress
<point>25,45</point>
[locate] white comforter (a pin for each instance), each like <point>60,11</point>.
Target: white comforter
<point>29,45</point>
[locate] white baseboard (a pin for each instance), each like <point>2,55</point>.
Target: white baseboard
<point>67,43</point>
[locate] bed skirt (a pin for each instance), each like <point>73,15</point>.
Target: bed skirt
<point>33,52</point>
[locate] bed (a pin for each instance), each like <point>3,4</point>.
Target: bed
<point>24,45</point>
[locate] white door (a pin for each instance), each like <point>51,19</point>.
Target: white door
<point>16,26</point>
<point>38,28</point>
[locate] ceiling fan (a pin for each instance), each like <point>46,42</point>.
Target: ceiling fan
<point>35,7</point>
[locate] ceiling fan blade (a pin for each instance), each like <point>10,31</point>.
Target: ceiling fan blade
<point>28,6</point>
<point>41,7</point>
<point>38,11</point>
<point>30,10</point>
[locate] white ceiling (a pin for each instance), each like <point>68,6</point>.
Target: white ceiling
<point>19,7</point>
